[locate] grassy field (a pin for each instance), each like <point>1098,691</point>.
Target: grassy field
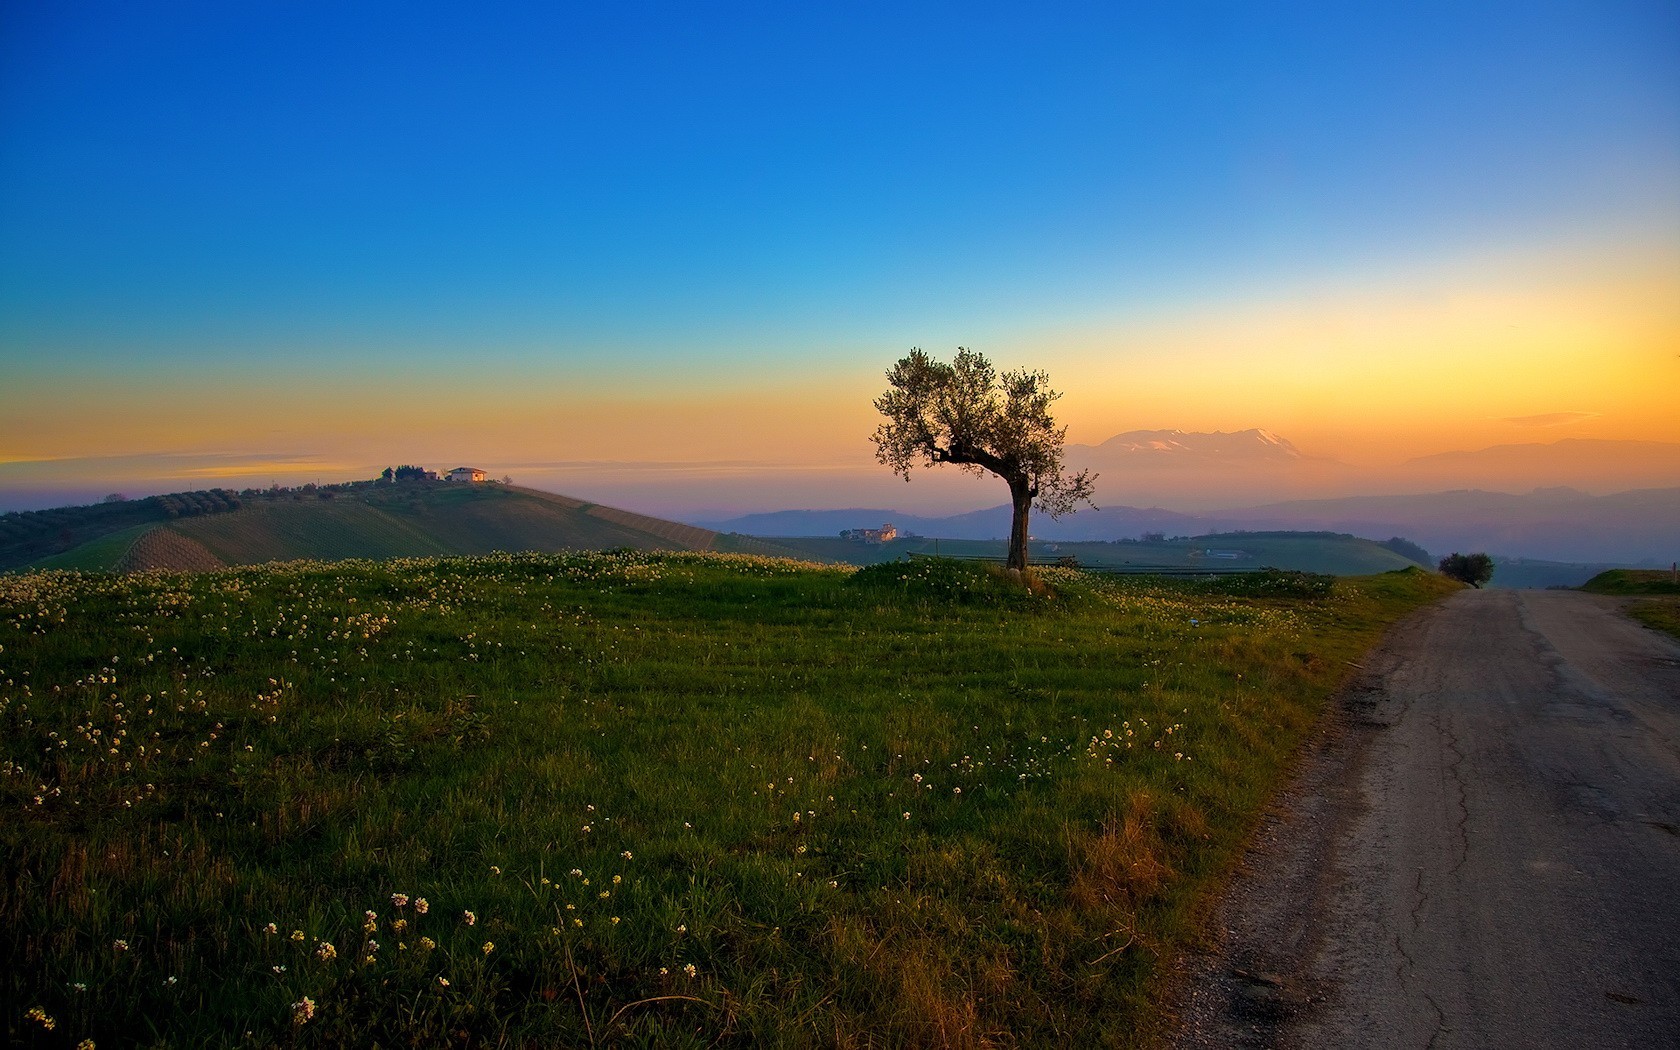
<point>637,799</point>
<point>1299,551</point>
<point>1658,604</point>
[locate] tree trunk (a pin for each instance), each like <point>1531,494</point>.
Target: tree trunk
<point>1021,497</point>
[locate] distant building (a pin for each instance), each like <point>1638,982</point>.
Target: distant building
<point>1212,552</point>
<point>885,534</point>
<point>465,474</point>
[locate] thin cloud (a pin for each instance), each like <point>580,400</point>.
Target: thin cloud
<point>244,467</point>
<point>1549,419</point>
<point>741,466</point>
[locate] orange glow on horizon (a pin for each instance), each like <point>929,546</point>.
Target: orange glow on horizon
<point>1371,378</point>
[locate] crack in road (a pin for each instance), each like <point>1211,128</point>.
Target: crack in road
<point>1455,770</point>
<point>1564,934</point>
<point>1404,970</point>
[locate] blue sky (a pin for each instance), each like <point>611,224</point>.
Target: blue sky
<point>636,201</point>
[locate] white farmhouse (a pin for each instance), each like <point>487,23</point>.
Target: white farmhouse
<point>465,474</point>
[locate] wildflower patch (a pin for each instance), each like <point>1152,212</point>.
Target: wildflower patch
<point>557,799</point>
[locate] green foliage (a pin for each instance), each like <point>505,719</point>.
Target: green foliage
<point>1474,569</point>
<point>1408,550</point>
<point>631,798</point>
<point>966,414</point>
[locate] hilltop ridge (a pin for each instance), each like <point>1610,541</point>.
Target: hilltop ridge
<point>409,518</point>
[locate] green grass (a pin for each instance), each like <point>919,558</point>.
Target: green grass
<point>366,520</point>
<point>99,555</point>
<point>1659,604</point>
<point>651,799</point>
<point>1661,614</point>
<point>423,520</point>
<point>1299,551</point>
<point>1633,581</point>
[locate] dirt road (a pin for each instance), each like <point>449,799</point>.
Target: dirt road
<point>1484,851</point>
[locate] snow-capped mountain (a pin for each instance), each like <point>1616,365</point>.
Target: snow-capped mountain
<point>1193,469</point>
<point>1242,444</point>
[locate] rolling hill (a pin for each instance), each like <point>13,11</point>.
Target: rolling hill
<point>1320,552</point>
<point>1558,524</point>
<point>364,520</point>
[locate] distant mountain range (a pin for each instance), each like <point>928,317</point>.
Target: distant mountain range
<point>1202,471</point>
<point>1581,499</point>
<point>1189,469</point>
<point>1558,524</point>
<point>1576,462</point>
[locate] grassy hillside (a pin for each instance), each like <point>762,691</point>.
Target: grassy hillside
<point>1316,552</point>
<point>425,519</point>
<point>1659,604</point>
<point>410,521</point>
<point>43,536</point>
<point>658,799</point>
<point>1633,581</point>
<point>103,554</point>
<point>416,519</point>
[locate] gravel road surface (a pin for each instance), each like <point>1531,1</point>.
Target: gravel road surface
<point>1482,851</point>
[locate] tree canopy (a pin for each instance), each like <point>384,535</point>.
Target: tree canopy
<point>1474,569</point>
<point>967,414</point>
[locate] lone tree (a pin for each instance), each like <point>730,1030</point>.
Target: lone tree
<point>967,414</point>
<point>1474,569</point>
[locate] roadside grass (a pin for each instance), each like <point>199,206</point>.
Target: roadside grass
<point>1662,614</point>
<point>647,799</point>
<point>1658,606</point>
<point>1633,581</point>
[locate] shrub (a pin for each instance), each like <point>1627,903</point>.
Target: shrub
<point>1474,569</point>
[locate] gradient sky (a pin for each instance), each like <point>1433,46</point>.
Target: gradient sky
<point>661,254</point>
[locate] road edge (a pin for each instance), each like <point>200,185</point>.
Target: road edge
<point>1245,987</point>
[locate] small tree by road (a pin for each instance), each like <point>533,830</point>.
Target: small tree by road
<point>966,413</point>
<point>1474,569</point>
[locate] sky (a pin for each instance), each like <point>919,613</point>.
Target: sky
<point>661,254</point>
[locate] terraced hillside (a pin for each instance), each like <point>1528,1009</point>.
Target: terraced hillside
<point>393,521</point>
<point>95,536</point>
